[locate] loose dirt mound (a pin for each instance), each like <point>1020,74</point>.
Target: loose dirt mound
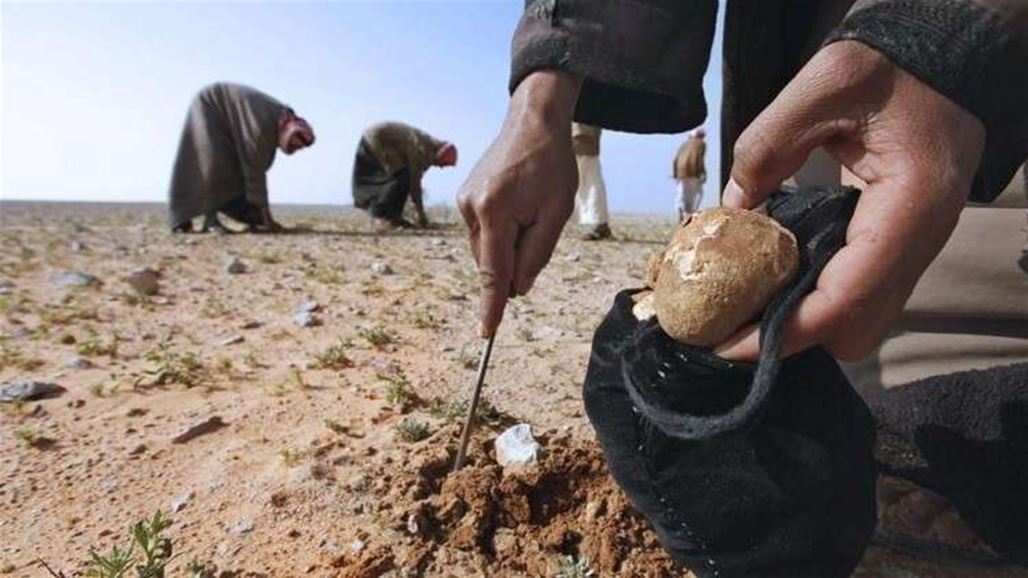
<point>513,523</point>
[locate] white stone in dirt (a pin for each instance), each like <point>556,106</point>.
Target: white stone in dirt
<point>180,503</point>
<point>76,279</point>
<point>310,306</point>
<point>357,546</point>
<point>306,319</point>
<point>27,389</point>
<point>77,246</point>
<point>144,281</point>
<point>574,257</point>
<point>78,362</point>
<point>235,266</point>
<point>6,287</point>
<point>234,340</point>
<point>17,332</point>
<point>382,268</point>
<point>242,527</point>
<point>516,447</point>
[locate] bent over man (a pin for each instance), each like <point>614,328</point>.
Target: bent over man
<point>391,158</point>
<point>231,135</point>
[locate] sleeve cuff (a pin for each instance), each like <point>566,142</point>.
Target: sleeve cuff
<point>967,53</point>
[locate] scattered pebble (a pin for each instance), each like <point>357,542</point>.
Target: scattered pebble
<point>382,268</point>
<point>306,319</point>
<point>6,287</point>
<point>28,389</point>
<point>309,306</point>
<point>235,266</point>
<point>144,281</point>
<point>17,332</point>
<point>573,257</point>
<point>242,527</point>
<point>516,447</point>
<point>76,279</point>
<point>211,425</point>
<point>180,503</point>
<point>234,340</point>
<point>138,450</point>
<point>250,324</point>
<point>79,362</point>
<point>78,246</point>
<point>357,546</point>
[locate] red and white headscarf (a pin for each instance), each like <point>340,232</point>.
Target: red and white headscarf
<point>289,125</point>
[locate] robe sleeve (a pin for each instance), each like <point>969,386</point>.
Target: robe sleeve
<point>642,60</point>
<point>973,52</point>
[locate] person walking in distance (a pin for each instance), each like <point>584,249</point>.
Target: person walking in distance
<point>690,173</point>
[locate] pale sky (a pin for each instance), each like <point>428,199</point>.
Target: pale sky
<point>94,93</point>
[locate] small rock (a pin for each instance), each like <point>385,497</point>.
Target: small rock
<point>234,340</point>
<point>357,546</point>
<point>144,281</point>
<point>516,447</point>
<point>27,389</point>
<point>412,524</point>
<point>438,242</point>
<point>181,502</point>
<point>212,424</point>
<point>309,306</point>
<point>573,257</point>
<point>77,246</point>
<point>79,362</point>
<point>76,279</point>
<point>382,268</point>
<point>18,332</point>
<point>242,527</point>
<point>250,324</point>
<point>6,287</point>
<point>306,319</point>
<point>235,266</point>
<point>138,450</point>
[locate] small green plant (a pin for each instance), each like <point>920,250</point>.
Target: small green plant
<point>198,569</point>
<point>397,390</point>
<point>93,346</point>
<point>573,567</point>
<point>213,308</point>
<point>156,552</point>
<point>225,366</point>
<point>525,334</point>
<point>334,357</point>
<point>97,389</point>
<point>377,336</point>
<point>298,378</point>
<point>170,367</point>
<point>269,257</point>
<point>425,320</point>
<point>447,410</point>
<point>292,457</point>
<point>336,427</point>
<point>9,356</point>
<point>29,436</point>
<point>412,430</point>
<point>326,276</point>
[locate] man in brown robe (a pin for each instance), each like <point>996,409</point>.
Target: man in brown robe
<point>690,173</point>
<point>391,159</point>
<point>229,141</point>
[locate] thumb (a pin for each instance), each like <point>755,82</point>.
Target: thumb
<point>775,146</point>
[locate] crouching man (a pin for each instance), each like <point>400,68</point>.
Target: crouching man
<point>229,141</point>
<point>391,158</point>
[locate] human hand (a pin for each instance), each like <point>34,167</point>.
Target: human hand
<point>916,150</point>
<point>519,195</point>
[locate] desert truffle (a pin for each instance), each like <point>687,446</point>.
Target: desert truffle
<point>719,271</point>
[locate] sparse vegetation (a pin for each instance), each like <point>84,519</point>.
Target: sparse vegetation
<point>326,276</point>
<point>412,430</point>
<point>213,308</point>
<point>156,552</point>
<point>93,346</point>
<point>573,567</point>
<point>398,391</point>
<point>333,358</point>
<point>292,457</point>
<point>170,367</point>
<point>377,336</point>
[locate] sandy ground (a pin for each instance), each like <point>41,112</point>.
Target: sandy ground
<point>303,468</point>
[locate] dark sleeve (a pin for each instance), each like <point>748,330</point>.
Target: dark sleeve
<point>642,60</point>
<point>975,53</point>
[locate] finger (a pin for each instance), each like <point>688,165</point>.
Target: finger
<point>777,143</point>
<point>536,245</point>
<point>496,270</point>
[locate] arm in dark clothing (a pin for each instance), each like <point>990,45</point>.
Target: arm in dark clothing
<point>643,60</point>
<point>974,53</point>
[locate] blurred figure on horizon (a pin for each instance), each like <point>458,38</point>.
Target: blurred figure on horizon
<point>592,191</point>
<point>231,135</point>
<point>390,161</point>
<point>691,173</point>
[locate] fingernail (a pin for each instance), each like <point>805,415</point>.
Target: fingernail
<point>733,195</point>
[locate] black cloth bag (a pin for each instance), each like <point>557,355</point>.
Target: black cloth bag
<point>762,470</point>
<point>964,436</point>
<point>382,194</point>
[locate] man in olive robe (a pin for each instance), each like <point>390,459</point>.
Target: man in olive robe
<point>391,159</point>
<point>690,173</point>
<point>229,141</point>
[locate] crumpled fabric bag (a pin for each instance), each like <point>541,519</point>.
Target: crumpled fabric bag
<point>757,470</point>
<point>964,436</point>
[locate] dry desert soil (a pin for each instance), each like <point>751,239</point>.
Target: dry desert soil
<point>285,450</point>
